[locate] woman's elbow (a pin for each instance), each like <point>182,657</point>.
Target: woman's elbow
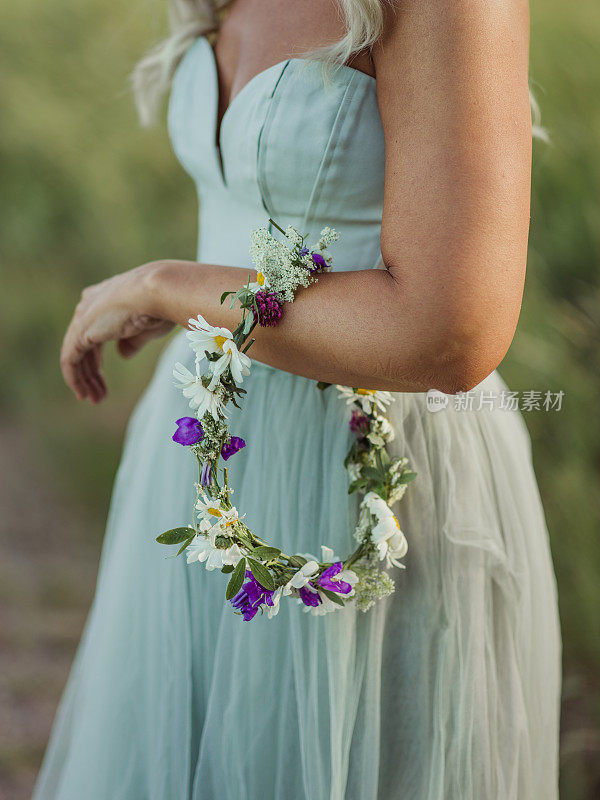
<point>463,359</point>
<point>453,361</point>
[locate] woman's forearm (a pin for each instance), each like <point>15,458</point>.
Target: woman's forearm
<point>357,328</point>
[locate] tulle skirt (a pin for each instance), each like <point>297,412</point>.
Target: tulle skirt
<point>447,690</point>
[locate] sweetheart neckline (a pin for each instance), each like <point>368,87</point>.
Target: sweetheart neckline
<point>341,69</point>
<point>265,71</point>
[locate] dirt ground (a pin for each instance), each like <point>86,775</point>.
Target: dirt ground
<point>48,563</point>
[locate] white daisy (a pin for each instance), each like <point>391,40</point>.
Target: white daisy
<point>205,338</point>
<point>366,398</point>
<point>201,398</point>
<point>386,534</point>
<point>260,284</point>
<point>213,515</point>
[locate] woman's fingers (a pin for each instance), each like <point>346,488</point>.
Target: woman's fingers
<point>131,345</point>
<point>103,315</point>
<point>70,363</point>
<point>98,356</point>
<point>95,356</point>
<point>93,388</point>
<point>78,372</point>
<point>74,379</point>
<point>92,376</point>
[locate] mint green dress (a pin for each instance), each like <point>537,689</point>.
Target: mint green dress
<point>448,689</point>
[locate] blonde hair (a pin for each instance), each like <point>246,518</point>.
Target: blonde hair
<point>189,19</point>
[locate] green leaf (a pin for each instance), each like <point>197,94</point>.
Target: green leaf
<point>185,544</point>
<point>323,385</point>
<point>236,580</point>
<point>227,569</point>
<point>275,225</point>
<point>407,476</point>
<point>224,295</point>
<point>266,553</point>
<point>262,574</point>
<point>297,561</point>
<point>175,536</point>
<point>360,483</point>
<point>372,473</point>
<point>332,596</point>
<point>351,455</point>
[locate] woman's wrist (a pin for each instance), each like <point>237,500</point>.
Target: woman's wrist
<point>160,284</point>
<point>177,290</point>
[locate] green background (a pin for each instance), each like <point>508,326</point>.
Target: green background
<point>86,193</point>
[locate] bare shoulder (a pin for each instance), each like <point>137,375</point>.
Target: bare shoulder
<point>456,23</point>
<point>453,44</point>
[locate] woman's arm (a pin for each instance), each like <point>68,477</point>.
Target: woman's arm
<point>454,102</point>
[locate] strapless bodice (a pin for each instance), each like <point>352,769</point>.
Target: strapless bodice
<point>301,147</point>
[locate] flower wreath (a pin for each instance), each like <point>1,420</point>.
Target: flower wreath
<point>261,573</point>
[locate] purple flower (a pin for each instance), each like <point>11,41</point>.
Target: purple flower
<point>309,597</point>
<point>231,447</point>
<point>189,431</point>
<point>303,251</point>
<point>250,597</point>
<point>359,423</point>
<point>269,309</point>
<point>325,580</point>
<point>206,474</point>
<point>319,261</point>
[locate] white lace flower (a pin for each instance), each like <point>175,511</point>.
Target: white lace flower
<point>205,338</point>
<point>293,236</point>
<point>328,236</point>
<point>381,432</point>
<point>203,399</point>
<point>302,577</point>
<point>366,398</point>
<point>386,534</point>
<point>397,489</point>
<point>396,493</point>
<point>278,266</point>
<point>354,471</point>
<point>204,549</point>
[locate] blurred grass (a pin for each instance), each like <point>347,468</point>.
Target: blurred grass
<point>86,193</point>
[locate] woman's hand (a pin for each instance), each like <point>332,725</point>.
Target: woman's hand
<point>118,309</point>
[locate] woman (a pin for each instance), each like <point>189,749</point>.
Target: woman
<point>417,149</point>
